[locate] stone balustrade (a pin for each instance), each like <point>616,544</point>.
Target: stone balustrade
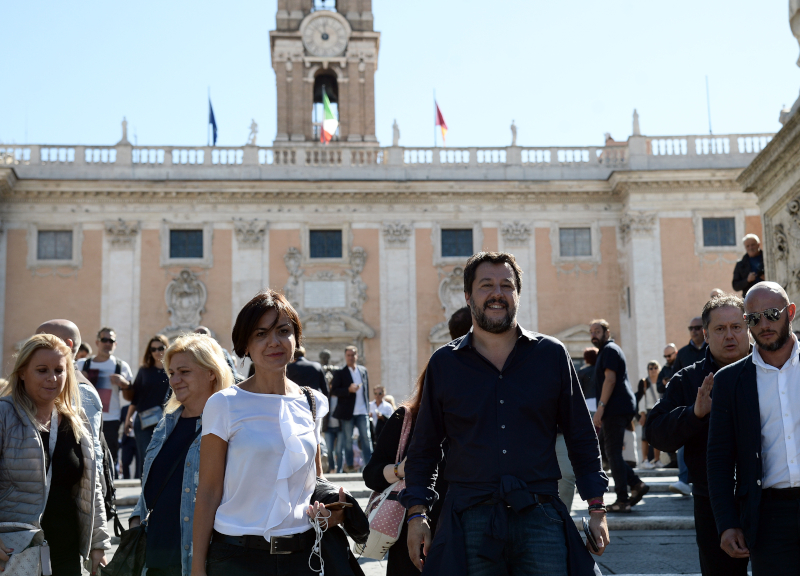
<point>342,162</point>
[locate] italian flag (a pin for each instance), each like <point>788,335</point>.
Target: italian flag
<point>329,124</point>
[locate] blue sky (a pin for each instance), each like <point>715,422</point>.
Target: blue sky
<point>566,71</point>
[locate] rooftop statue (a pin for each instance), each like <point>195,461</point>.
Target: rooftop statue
<point>395,134</point>
<point>251,140</point>
<point>513,134</point>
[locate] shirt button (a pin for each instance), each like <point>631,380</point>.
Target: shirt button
<point>502,401</point>
<point>186,547</point>
<point>501,376</point>
<point>758,482</point>
<point>504,451</point>
<point>187,490</point>
<point>185,518</point>
<point>504,427</point>
<point>188,464</point>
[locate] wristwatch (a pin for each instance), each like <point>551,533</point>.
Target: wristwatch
<point>601,404</point>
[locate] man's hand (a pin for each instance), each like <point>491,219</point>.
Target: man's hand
<point>732,541</point>
<point>598,526</point>
<point>98,557</point>
<point>702,405</point>
<point>597,420</point>
<point>419,535</point>
<point>119,380</point>
<point>642,419</point>
<point>354,387</point>
<point>752,277</point>
<point>128,426</point>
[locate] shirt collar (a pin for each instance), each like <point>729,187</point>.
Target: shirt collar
<point>793,359</point>
<point>466,341</point>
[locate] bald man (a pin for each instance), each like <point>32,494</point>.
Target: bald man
<point>695,350</point>
<point>90,400</point>
<point>753,448</point>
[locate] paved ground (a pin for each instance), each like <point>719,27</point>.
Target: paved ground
<point>640,551</point>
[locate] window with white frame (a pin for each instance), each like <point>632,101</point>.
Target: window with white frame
<point>325,243</point>
<point>575,242</point>
<point>54,245</point>
<point>457,242</point>
<point>719,232</point>
<point>186,243</point>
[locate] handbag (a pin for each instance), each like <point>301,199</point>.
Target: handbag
<point>150,417</point>
<point>129,558</point>
<point>386,515</point>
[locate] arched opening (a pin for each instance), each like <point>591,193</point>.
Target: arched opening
<point>325,79</point>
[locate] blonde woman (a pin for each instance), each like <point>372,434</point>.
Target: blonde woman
<point>48,476</point>
<point>197,369</point>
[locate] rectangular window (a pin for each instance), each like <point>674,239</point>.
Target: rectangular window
<point>325,243</point>
<point>719,232</point>
<point>456,243</point>
<point>575,242</point>
<point>185,243</point>
<point>54,245</point>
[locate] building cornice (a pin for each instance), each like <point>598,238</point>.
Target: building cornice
<point>774,161</point>
<point>8,181</point>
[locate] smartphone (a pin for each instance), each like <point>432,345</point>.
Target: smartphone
<point>338,505</point>
<point>590,537</point>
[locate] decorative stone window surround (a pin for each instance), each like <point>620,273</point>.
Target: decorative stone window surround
<point>207,261</point>
<point>33,241</point>
<point>436,239</point>
<point>697,220</point>
<point>555,242</point>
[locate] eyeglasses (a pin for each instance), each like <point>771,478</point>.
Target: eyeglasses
<point>668,356</point>
<point>107,340</point>
<point>695,328</point>
<point>771,314</point>
<point>159,349</point>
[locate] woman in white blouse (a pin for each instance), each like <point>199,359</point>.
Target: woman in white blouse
<point>259,457</point>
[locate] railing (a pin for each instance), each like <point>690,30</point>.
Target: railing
<point>672,151</point>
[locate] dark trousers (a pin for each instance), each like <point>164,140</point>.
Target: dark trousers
<point>128,448</point>
<point>714,561</point>
<point>168,571</point>
<point>228,559</point>
<point>143,438</point>
<point>614,436</point>
<point>111,434</point>
<point>778,540</point>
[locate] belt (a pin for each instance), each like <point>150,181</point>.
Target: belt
<point>540,499</point>
<point>781,493</point>
<point>275,545</point>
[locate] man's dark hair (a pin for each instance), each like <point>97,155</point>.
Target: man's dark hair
<point>299,352</point>
<point>493,258</point>
<point>250,315</point>
<point>86,348</point>
<point>590,355</point>
<point>104,329</point>
<point>603,323</point>
<point>460,322</point>
<point>720,302</point>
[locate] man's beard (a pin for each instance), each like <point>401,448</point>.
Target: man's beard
<point>783,337</point>
<point>493,326</point>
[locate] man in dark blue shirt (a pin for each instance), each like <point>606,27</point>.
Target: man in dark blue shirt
<point>616,406</point>
<point>497,395</point>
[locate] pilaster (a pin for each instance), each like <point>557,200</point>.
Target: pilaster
<point>250,261</point>
<point>517,238</point>
<point>121,286</point>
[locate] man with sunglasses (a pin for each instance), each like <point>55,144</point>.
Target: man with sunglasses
<point>680,421</point>
<point>668,371</point>
<point>753,449</point>
<point>695,350</point>
<point>110,377</point>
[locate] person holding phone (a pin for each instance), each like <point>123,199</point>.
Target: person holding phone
<point>260,457</point>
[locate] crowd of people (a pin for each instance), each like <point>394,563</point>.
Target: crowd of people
<point>504,431</point>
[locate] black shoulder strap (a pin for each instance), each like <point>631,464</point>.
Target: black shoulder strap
<point>87,364</point>
<point>169,474</point>
<point>312,402</point>
<point>118,367</point>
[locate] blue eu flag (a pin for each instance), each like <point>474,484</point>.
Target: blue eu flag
<point>212,121</point>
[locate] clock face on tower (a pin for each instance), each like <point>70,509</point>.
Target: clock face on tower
<point>325,36</point>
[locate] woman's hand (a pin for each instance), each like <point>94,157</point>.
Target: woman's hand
<point>642,419</point>
<point>98,557</point>
<point>134,521</point>
<point>4,552</point>
<point>334,517</point>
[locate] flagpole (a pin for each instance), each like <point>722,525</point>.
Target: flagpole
<point>434,118</point>
<point>208,136</point>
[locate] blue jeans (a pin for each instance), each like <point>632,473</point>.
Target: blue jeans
<point>364,439</point>
<point>143,438</point>
<point>537,543</point>
<point>683,471</point>
<point>333,439</point>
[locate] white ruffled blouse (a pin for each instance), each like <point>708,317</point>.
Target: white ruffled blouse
<point>269,472</point>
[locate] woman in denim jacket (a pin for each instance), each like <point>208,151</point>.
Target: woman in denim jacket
<point>197,369</point>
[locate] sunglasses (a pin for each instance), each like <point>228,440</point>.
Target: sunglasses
<point>695,328</point>
<point>668,356</point>
<point>159,349</point>
<point>771,314</point>
<point>107,340</point>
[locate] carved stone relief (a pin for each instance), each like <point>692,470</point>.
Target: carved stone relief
<point>637,223</point>
<point>515,233</point>
<point>186,298</point>
<point>249,233</point>
<point>451,296</point>
<point>397,233</point>
<point>123,234</point>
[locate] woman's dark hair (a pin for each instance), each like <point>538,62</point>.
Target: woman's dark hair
<point>494,258</point>
<point>250,315</point>
<point>413,401</point>
<point>148,361</point>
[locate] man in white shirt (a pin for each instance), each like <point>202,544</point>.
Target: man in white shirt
<point>351,385</point>
<point>110,377</point>
<point>379,411</point>
<point>753,447</point>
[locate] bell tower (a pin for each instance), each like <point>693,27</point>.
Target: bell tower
<point>325,44</point>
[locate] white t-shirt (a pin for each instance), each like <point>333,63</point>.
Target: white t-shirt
<point>109,393</point>
<point>384,408</point>
<point>270,470</point>
<point>361,405</point>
